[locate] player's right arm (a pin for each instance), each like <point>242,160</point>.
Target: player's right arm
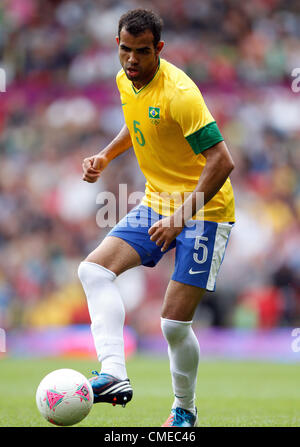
<point>94,165</point>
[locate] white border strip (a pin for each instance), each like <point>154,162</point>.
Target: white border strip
<point>222,235</point>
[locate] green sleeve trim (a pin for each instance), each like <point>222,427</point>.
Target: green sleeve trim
<point>205,137</point>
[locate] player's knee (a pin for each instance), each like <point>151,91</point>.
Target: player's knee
<point>91,273</point>
<point>175,331</point>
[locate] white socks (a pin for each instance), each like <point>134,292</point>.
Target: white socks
<point>107,317</point>
<point>184,353</point>
<point>107,321</point>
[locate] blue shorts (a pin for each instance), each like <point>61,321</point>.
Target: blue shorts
<point>200,247</point>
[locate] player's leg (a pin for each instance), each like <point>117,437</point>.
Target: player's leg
<point>127,245</point>
<point>180,303</point>
<point>97,274</point>
<point>198,259</point>
<point>114,254</point>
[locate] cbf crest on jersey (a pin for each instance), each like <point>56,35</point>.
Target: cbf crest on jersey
<point>154,115</point>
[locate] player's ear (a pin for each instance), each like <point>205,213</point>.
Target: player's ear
<point>160,46</point>
<point>118,40</point>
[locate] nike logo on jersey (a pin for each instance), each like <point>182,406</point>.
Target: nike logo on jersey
<point>193,272</point>
<point>124,104</point>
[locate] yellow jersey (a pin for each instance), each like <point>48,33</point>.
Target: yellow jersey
<point>170,126</point>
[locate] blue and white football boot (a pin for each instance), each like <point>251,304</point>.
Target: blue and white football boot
<point>107,388</point>
<point>181,418</point>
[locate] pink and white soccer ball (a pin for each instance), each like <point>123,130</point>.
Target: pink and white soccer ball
<point>64,397</point>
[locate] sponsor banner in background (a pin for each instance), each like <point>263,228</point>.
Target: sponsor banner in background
<point>269,345</point>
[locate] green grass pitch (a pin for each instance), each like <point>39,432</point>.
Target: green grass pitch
<point>229,394</point>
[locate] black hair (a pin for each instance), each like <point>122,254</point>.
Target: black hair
<point>137,21</point>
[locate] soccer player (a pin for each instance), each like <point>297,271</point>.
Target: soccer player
<point>182,154</point>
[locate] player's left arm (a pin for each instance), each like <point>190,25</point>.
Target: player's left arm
<point>219,165</point>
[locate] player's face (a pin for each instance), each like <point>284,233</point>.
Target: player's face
<point>138,56</point>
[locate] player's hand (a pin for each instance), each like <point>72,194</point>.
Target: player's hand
<point>164,231</point>
<point>92,167</point>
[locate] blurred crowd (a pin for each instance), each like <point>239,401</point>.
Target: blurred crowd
<point>61,104</point>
